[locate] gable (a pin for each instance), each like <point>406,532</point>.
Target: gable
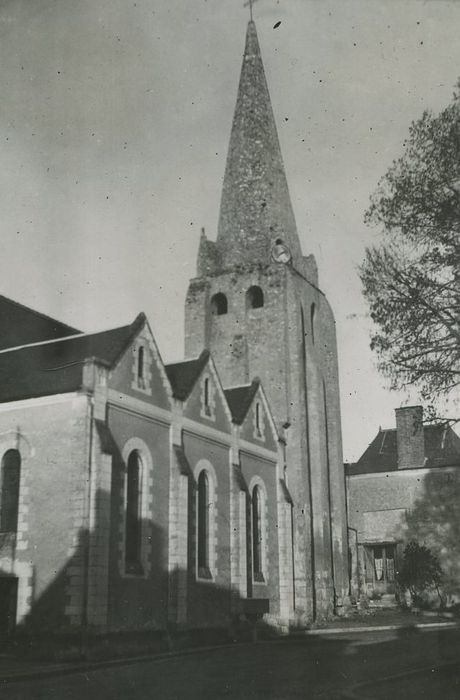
<point>206,402</point>
<point>139,372</point>
<point>257,426</point>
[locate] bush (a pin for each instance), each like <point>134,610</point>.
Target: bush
<point>419,572</point>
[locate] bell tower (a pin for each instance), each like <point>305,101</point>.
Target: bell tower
<point>256,305</point>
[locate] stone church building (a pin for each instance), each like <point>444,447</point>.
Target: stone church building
<point>136,495</point>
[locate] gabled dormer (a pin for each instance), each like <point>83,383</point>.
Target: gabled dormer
<point>139,369</point>
<point>197,385</point>
<point>251,412</point>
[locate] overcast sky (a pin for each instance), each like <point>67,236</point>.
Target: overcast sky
<point>115,117</point>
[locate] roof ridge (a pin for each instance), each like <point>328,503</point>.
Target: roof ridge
<point>42,342</point>
<point>238,386</point>
<point>50,341</point>
<point>181,362</point>
<point>204,354</point>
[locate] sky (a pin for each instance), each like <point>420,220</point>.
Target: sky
<point>115,117</point>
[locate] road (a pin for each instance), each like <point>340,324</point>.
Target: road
<point>370,665</point>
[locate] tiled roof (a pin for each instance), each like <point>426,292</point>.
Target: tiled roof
<point>20,325</point>
<point>56,367</point>
<point>183,375</point>
<point>239,399</point>
<point>442,448</point>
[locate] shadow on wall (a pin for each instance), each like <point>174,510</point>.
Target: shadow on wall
<point>137,605</point>
<point>434,521</point>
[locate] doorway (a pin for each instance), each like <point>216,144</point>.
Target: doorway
<point>380,568</point>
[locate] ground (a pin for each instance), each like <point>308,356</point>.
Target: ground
<point>404,663</point>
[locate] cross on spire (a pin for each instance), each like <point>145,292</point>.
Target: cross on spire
<point>250,3</point>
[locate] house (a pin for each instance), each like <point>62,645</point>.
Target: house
<point>405,486</point>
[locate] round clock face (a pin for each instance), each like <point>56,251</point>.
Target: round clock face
<point>281,253</point>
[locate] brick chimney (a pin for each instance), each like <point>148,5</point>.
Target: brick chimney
<point>410,437</point>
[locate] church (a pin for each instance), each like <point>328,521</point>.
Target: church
<point>139,496</point>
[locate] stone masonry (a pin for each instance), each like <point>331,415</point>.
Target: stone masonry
<point>288,341</point>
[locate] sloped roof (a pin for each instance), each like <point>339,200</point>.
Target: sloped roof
<point>20,325</point>
<point>239,400</point>
<point>255,207</point>
<point>183,375</point>
<point>56,367</point>
<point>442,448</point>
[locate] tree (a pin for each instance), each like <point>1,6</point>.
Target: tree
<point>420,570</point>
<point>412,279</point>
<point>434,520</point>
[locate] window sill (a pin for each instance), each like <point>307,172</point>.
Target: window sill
<point>141,386</point>
<point>204,574</point>
<point>258,577</point>
<point>208,414</point>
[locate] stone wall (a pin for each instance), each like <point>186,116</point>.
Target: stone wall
<point>297,362</point>
<point>409,504</point>
<point>139,600</point>
<point>51,435</point>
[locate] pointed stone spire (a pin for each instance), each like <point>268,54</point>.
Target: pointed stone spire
<point>255,209</point>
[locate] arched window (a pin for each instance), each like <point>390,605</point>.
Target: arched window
<point>312,321</point>
<point>203,526</point>
<point>10,478</point>
<point>133,514</point>
<point>257,568</point>
<point>254,298</point>
<point>140,362</point>
<point>219,305</point>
